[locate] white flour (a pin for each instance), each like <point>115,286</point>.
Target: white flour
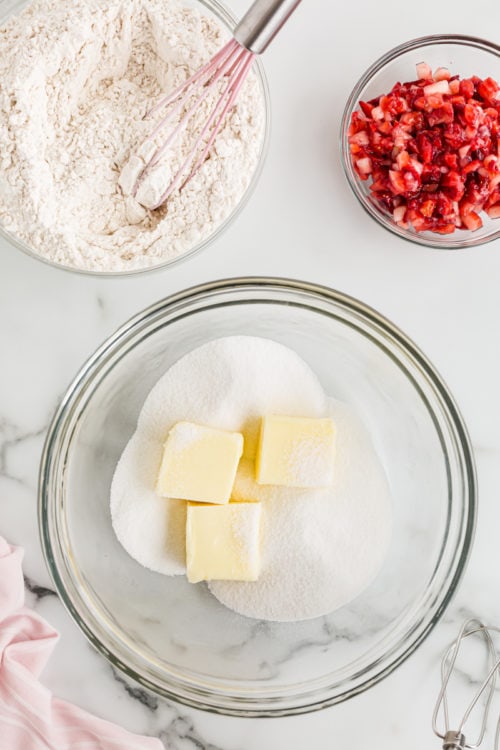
<point>319,548</point>
<point>76,80</point>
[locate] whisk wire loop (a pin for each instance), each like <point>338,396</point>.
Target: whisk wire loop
<point>223,75</point>
<point>232,64</point>
<point>455,739</point>
<point>241,71</point>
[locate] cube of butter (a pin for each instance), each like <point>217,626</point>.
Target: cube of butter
<point>223,542</point>
<point>199,463</point>
<point>295,452</point>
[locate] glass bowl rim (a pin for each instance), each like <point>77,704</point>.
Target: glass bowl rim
<point>200,696</point>
<point>427,239</point>
<point>226,16</point>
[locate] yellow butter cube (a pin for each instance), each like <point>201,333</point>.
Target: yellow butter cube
<point>199,463</point>
<point>295,452</point>
<point>223,542</point>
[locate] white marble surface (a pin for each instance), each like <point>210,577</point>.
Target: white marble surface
<point>303,223</point>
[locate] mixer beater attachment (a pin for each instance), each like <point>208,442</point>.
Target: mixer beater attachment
<point>454,739</point>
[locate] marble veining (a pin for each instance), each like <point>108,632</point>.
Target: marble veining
<point>12,439</point>
<point>144,697</point>
<point>38,591</point>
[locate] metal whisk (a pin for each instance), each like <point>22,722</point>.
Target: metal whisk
<point>454,739</point>
<point>226,71</point>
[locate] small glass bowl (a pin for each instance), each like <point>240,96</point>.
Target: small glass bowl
<point>464,56</point>
<point>175,638</point>
<point>217,10</point>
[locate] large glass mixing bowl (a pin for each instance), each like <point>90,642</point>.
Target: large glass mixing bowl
<point>176,638</point>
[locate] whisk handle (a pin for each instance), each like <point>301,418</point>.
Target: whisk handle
<point>261,23</point>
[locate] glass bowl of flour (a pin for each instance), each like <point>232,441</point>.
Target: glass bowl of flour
<point>245,654</point>
<point>77,82</point>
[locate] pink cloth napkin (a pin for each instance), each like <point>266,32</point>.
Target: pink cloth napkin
<point>30,717</point>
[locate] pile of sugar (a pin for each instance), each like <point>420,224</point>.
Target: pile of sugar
<point>320,548</point>
<point>77,79</point>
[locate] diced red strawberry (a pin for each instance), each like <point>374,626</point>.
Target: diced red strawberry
<point>442,74</point>
<point>451,160</point>
<point>487,89</point>
<point>427,207</point>
<point>425,148</point>
<point>412,120</point>
<point>399,214</point>
<point>438,87</point>
<point>367,108</point>
<point>364,167</point>
<point>398,185</point>
<point>431,149</point>
<point>444,114</point>
<point>360,138</point>
<point>467,88</point>
<point>472,166</point>
<point>473,114</point>
<point>444,228</point>
<point>454,185</point>
<point>492,163</point>
<point>393,105</point>
<point>472,221</point>
<point>424,71</point>
<point>494,211</point>
<point>493,198</point>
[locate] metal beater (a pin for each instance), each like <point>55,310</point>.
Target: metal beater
<point>454,739</point>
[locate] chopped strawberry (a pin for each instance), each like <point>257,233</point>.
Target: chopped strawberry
<point>444,114</point>
<point>494,211</point>
<point>399,214</point>
<point>424,71</point>
<point>467,88</point>
<point>427,207</point>
<point>438,87</point>
<point>488,89</point>
<point>367,108</point>
<point>364,167</point>
<point>453,185</point>
<point>442,74</point>
<point>431,149</point>
<point>473,114</point>
<point>472,221</point>
<point>444,228</point>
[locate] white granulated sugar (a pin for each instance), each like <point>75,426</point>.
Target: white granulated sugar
<point>245,528</point>
<point>320,548</point>
<point>76,81</point>
<point>151,528</point>
<point>182,436</point>
<point>228,384</point>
